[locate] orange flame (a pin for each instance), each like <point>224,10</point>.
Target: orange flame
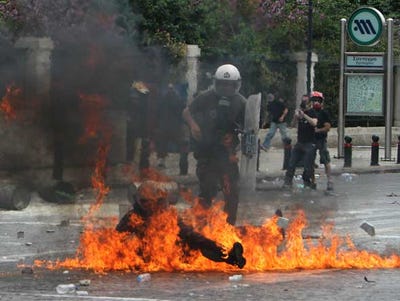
<point>7,105</point>
<point>104,249</point>
<point>93,106</point>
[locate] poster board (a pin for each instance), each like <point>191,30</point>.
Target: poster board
<point>364,94</point>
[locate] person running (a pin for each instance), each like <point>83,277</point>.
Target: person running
<point>277,111</point>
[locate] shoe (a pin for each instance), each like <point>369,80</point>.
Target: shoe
<point>287,186</point>
<point>329,186</point>
<point>310,185</point>
<point>235,256</point>
<point>264,148</point>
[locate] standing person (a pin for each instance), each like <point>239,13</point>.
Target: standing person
<point>321,133</point>
<point>171,128</point>
<point>138,125</point>
<point>214,117</point>
<point>304,148</point>
<point>277,111</point>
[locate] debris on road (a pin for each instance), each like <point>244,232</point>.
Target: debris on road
<point>63,289</point>
<point>27,270</point>
<point>143,277</point>
<point>64,223</point>
<point>84,282</point>
<point>367,227</point>
<point>20,234</point>
<point>367,280</point>
<point>235,277</point>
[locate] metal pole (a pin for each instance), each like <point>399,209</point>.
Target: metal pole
<point>341,124</point>
<point>309,45</point>
<point>389,91</point>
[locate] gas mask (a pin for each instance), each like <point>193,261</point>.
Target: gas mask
<point>317,106</point>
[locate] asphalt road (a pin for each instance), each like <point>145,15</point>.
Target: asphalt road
<point>50,231</point>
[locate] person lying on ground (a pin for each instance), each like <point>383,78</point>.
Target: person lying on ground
<point>146,204</point>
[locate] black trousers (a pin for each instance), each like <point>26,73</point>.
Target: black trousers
<point>215,173</point>
<point>301,152</point>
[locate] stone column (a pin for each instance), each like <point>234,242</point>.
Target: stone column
<point>396,94</point>
<point>192,58</point>
<point>301,82</point>
<point>38,65</point>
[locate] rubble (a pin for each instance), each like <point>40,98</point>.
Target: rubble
<point>367,227</point>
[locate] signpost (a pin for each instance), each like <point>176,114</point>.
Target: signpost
<point>363,74</point>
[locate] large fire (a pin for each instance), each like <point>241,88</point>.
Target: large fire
<point>104,249</point>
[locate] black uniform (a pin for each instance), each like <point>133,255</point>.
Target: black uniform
<point>219,118</point>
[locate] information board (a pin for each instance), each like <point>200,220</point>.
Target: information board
<point>364,94</point>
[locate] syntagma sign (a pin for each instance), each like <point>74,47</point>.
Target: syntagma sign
<point>364,95</point>
<point>364,61</point>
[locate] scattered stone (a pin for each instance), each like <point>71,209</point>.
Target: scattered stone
<point>27,270</point>
<point>63,289</point>
<point>64,223</point>
<point>82,293</point>
<point>84,282</point>
<point>367,280</point>
<point>367,227</point>
<point>20,234</point>
<point>28,243</point>
<point>50,231</point>
<point>235,278</point>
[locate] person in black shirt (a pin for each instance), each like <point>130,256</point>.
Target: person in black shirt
<point>277,112</point>
<point>304,148</point>
<point>321,135</point>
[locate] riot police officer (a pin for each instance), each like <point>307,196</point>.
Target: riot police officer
<point>214,117</point>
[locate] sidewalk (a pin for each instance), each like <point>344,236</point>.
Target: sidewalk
<point>271,164</point>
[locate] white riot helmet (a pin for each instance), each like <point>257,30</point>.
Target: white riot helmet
<point>227,80</point>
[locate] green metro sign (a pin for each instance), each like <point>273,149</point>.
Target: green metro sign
<point>365,26</point>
